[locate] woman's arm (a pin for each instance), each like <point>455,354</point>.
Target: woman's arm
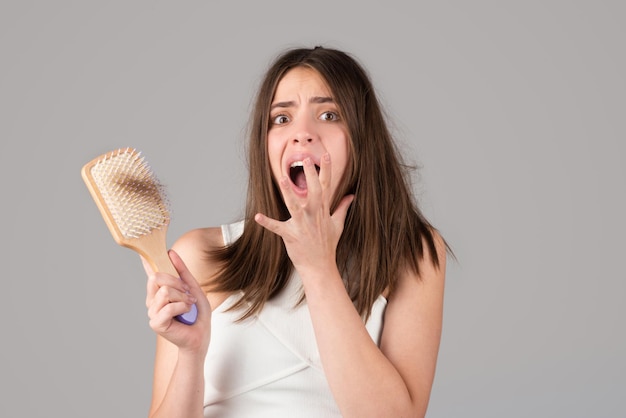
<point>395,380</point>
<point>178,381</point>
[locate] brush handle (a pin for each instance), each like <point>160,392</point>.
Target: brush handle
<point>152,247</point>
<point>162,263</point>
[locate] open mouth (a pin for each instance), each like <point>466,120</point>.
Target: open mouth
<point>296,174</point>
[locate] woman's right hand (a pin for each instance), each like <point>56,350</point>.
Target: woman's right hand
<point>169,296</point>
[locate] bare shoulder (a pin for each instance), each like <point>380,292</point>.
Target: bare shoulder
<point>198,241</point>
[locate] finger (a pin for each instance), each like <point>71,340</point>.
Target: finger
<point>324,176</point>
<point>314,188</point>
<point>291,201</point>
<point>151,289</point>
<point>146,266</point>
<point>167,295</point>
<point>174,309</point>
<point>191,284</point>
<point>158,280</point>
<point>161,320</point>
<point>179,264</point>
<point>158,302</point>
<point>183,272</point>
<point>268,223</point>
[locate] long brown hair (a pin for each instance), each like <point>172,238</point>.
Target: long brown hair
<point>384,232</point>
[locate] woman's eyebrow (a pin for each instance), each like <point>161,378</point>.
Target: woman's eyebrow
<point>282,104</point>
<point>318,99</point>
<point>291,103</point>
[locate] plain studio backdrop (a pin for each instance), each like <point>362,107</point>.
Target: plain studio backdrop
<point>514,112</point>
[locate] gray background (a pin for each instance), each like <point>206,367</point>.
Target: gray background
<point>515,112</point>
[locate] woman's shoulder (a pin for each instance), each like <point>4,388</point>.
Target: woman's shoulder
<point>195,247</point>
<point>200,240</point>
<point>210,238</point>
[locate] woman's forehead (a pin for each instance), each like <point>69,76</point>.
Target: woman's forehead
<point>301,81</point>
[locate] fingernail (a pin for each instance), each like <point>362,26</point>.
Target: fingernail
<point>308,161</point>
<point>326,157</point>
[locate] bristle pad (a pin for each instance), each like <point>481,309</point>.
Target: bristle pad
<point>132,193</point>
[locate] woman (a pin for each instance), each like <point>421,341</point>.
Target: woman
<point>291,300</point>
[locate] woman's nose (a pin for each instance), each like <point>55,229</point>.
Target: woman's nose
<point>301,139</point>
<point>304,131</point>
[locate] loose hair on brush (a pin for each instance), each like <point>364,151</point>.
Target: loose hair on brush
<point>385,232</point>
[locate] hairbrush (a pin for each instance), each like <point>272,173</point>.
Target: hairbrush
<point>135,208</point>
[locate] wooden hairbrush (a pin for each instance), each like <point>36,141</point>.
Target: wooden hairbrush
<point>134,206</point>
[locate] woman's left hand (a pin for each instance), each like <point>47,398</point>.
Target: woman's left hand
<point>312,233</point>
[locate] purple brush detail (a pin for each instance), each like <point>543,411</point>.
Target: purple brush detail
<point>189,318</point>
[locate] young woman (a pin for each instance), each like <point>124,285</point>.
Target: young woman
<point>327,299</point>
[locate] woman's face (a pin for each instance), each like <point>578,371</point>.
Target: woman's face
<point>305,123</point>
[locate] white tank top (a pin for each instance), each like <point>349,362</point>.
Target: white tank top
<point>268,365</point>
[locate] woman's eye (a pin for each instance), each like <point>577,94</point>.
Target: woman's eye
<point>280,119</point>
<point>329,116</point>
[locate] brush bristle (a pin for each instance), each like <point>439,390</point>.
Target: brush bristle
<point>132,193</point>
